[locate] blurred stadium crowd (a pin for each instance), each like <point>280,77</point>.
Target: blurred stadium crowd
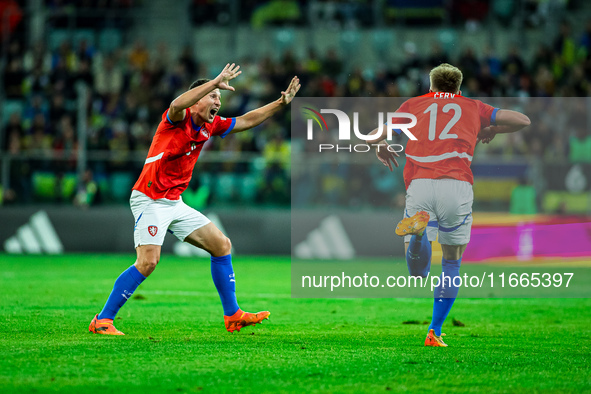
<point>130,87</point>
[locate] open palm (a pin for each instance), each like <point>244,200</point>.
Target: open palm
<point>290,92</point>
<point>387,157</point>
<point>228,73</point>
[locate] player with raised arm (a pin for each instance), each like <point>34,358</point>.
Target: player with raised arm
<point>156,201</point>
<point>439,180</point>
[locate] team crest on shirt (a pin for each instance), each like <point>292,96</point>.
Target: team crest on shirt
<point>153,230</point>
<point>204,133</point>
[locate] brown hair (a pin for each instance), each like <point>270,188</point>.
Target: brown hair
<point>198,82</point>
<point>446,78</point>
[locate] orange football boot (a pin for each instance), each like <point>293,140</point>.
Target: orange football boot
<point>103,326</point>
<point>242,319</point>
<point>434,340</point>
<point>414,225</point>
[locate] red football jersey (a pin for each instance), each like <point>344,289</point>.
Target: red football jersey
<point>174,152</point>
<point>446,131</point>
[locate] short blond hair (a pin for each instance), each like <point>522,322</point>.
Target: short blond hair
<point>446,78</point>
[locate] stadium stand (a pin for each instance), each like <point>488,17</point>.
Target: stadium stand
<point>130,85</point>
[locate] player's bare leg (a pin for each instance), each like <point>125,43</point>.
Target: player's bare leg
<point>148,257</point>
<point>453,252</point>
<point>211,239</point>
<point>445,293</point>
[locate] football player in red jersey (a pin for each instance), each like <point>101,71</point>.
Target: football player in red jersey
<point>156,201</point>
<point>439,180</point>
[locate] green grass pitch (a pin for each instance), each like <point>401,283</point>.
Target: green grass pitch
<point>176,342</point>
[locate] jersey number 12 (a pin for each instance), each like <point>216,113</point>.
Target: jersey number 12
<point>433,120</point>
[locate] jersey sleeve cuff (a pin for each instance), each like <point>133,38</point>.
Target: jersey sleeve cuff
<point>229,128</point>
<point>170,121</point>
<point>397,131</point>
<point>493,117</point>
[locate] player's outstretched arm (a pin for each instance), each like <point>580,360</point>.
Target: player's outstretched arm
<point>256,117</point>
<point>507,121</point>
<point>177,108</point>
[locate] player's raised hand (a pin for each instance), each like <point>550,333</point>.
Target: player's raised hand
<point>386,157</point>
<point>229,72</point>
<point>290,92</point>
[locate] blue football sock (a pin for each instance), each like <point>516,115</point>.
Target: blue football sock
<point>418,255</point>
<point>445,294</point>
<point>124,287</point>
<point>223,278</point>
